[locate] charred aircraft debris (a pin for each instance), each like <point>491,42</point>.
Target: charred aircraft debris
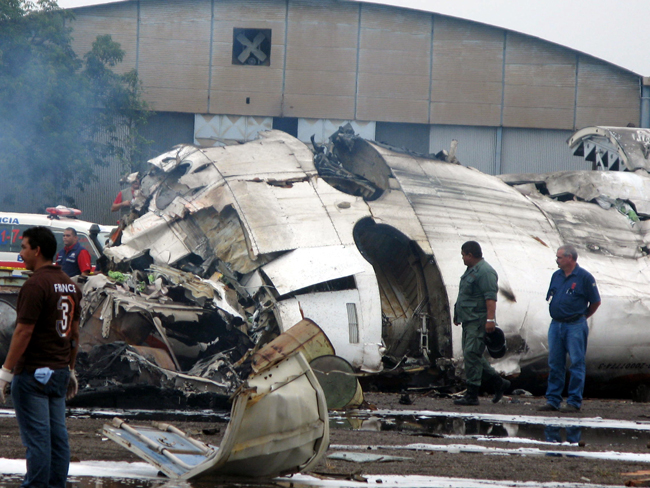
<point>228,247</point>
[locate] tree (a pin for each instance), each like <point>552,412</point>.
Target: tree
<point>61,116</point>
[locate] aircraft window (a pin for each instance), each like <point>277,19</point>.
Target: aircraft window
<point>353,322</point>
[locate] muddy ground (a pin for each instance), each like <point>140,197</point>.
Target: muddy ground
<point>87,444</point>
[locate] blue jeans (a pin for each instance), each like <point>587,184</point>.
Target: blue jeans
<point>567,338</point>
<point>40,411</point>
<point>552,434</point>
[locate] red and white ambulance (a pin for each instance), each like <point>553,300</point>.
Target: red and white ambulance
<point>91,236</point>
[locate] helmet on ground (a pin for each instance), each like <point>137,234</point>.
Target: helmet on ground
<point>495,342</point>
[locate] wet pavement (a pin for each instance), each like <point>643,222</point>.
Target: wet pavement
<point>611,440</point>
<point>614,434</point>
<point>296,481</point>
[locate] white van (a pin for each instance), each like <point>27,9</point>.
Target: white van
<point>91,236</point>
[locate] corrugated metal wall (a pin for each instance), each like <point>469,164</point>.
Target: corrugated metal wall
<point>539,84</point>
<point>321,60</point>
<point>537,151</point>
<point>119,19</point>
<point>476,145</point>
<point>412,136</point>
<point>606,93</point>
<point>244,90</point>
<point>164,130</point>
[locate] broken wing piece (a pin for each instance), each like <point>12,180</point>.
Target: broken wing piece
<point>612,148</point>
<point>278,425</point>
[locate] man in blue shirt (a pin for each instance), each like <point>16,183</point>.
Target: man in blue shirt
<point>574,298</point>
<point>74,259</point>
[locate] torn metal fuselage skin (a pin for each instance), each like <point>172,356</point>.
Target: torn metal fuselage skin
<point>613,148</point>
<point>365,241</point>
<point>168,332</point>
<point>278,425</point>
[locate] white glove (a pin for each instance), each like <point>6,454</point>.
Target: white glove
<point>5,381</point>
<point>73,386</point>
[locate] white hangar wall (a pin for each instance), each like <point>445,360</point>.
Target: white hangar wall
<point>404,77</point>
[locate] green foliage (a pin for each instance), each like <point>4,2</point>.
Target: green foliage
<point>61,116</point>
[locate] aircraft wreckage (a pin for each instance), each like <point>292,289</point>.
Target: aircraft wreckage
<point>228,247</point>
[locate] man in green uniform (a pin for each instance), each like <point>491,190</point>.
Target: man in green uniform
<point>476,309</point>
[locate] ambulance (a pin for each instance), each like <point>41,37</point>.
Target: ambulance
<point>92,237</point>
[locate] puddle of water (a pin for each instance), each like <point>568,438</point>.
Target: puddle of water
<point>459,427</point>
<point>153,415</point>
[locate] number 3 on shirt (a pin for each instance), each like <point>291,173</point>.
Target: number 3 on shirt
<point>66,310</point>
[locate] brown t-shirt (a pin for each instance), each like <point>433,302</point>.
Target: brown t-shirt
<point>50,301</point>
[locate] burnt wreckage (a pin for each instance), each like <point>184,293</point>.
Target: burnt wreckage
<point>228,247</point>
<point>364,240</point>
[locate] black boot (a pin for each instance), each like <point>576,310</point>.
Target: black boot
<point>470,398</point>
<point>500,387</point>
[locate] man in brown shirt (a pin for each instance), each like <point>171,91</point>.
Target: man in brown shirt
<point>41,358</point>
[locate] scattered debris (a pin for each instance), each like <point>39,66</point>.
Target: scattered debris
<point>364,457</point>
<point>227,248</point>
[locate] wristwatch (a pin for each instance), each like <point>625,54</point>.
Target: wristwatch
<point>491,320</point>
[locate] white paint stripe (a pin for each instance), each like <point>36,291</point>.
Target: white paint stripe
<point>592,422</point>
<point>95,469</point>
<point>105,469</point>
<point>524,451</point>
<point>393,481</point>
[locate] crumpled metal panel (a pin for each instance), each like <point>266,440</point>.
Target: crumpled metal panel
<point>177,311</point>
<point>394,209</point>
<point>301,268</point>
<point>280,219</point>
<point>153,233</point>
<point>590,227</point>
<point>305,337</point>
<point>275,153</point>
<point>589,185</point>
<point>206,175</point>
<point>631,143</point>
<point>278,425</point>
<point>173,159</point>
<point>197,290</point>
<point>344,211</point>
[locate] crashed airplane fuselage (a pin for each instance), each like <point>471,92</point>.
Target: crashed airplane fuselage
<point>365,241</point>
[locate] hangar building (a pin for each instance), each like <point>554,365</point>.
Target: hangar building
<point>216,70</point>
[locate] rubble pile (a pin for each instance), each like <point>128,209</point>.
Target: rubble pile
<point>142,330</point>
<point>186,303</point>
